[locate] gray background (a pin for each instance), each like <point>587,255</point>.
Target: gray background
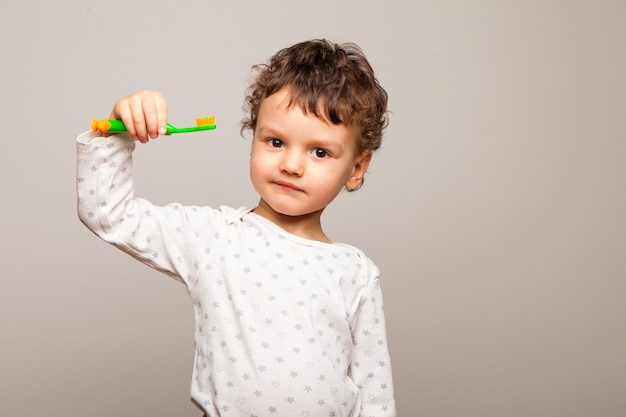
<point>496,208</point>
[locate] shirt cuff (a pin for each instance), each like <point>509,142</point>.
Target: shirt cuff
<point>87,138</point>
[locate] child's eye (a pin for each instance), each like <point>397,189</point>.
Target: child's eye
<point>320,153</point>
<point>275,143</point>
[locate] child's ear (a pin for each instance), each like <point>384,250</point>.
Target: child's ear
<point>358,172</point>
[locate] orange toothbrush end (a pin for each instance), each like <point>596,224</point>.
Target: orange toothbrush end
<point>100,125</point>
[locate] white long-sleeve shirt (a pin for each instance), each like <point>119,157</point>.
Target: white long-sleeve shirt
<point>284,326</point>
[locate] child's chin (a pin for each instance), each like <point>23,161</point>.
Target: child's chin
<point>292,211</point>
<point>290,208</point>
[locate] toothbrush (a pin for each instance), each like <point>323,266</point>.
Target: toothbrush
<point>117,126</point>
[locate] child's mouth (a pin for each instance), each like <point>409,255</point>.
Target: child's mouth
<point>287,185</point>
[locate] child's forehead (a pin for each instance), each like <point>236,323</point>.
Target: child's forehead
<point>285,100</point>
<point>319,106</point>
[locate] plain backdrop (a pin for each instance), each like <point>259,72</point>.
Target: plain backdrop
<point>496,208</point>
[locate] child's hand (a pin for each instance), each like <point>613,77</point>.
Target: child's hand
<point>144,114</point>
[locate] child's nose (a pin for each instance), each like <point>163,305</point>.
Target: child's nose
<point>292,163</point>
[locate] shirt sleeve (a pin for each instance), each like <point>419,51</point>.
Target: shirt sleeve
<point>370,366</point>
<point>157,236</point>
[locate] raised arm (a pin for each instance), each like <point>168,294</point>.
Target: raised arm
<point>157,236</point>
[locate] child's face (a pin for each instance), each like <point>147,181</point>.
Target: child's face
<point>298,162</point>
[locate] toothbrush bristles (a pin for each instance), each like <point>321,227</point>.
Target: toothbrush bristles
<point>205,121</point>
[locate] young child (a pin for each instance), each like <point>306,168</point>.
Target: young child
<point>287,323</point>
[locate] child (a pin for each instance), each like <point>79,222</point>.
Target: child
<point>287,323</point>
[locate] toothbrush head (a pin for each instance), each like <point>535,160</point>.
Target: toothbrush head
<point>202,123</point>
<point>205,121</point>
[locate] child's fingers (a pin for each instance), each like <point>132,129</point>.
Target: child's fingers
<point>144,114</point>
<point>155,113</point>
<point>138,129</point>
<point>160,106</point>
<point>123,111</point>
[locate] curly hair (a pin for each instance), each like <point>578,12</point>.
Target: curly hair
<point>333,82</point>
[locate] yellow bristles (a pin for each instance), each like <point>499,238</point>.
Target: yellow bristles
<point>205,121</point>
